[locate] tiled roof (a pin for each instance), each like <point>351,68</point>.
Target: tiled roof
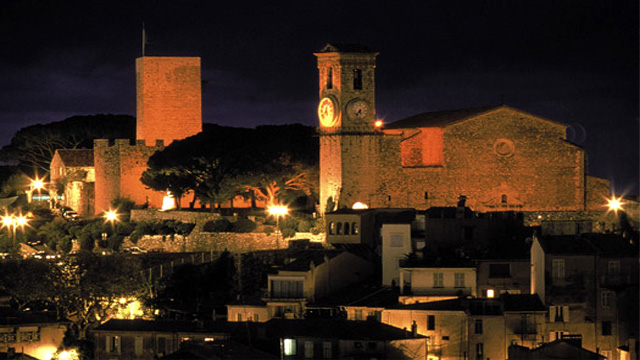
<point>589,244</point>
<point>362,295</point>
<point>76,157</point>
<point>162,326</point>
<point>442,305</point>
<point>9,316</point>
<point>440,118</point>
<point>304,259</point>
<point>336,329</point>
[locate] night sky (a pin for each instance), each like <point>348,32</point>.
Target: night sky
<point>575,62</point>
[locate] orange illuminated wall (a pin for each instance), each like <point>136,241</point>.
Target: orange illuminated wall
<point>169,102</point>
<point>424,148</point>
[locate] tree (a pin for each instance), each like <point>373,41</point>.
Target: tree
<point>87,286</point>
<point>223,162</point>
<point>198,289</point>
<point>26,281</point>
<point>33,147</point>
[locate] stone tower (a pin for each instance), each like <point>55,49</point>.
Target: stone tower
<point>169,101</point>
<point>347,128</point>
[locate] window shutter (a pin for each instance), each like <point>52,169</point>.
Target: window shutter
<point>552,313</point>
<point>565,313</point>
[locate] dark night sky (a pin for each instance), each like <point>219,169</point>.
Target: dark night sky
<point>575,62</point>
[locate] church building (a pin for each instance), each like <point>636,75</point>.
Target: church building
<point>498,157</point>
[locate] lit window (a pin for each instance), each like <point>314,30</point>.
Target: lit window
<point>289,346</point>
<point>332,228</point>
<point>354,228</point>
<point>491,293</point>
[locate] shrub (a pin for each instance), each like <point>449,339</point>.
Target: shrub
<point>220,225</point>
<point>243,226</point>
<point>304,226</point>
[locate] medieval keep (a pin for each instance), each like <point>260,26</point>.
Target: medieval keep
<point>498,157</point>
<point>169,108</point>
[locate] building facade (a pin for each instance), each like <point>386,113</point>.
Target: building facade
<point>499,157</point>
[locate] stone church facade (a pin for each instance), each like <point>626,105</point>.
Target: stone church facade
<point>499,158</point>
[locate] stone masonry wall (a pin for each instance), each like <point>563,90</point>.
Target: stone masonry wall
<point>233,242</point>
<point>118,169</point>
<point>169,104</point>
<point>504,154</point>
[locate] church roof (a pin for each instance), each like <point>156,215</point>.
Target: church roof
<point>446,117</point>
<point>76,157</point>
<point>346,48</point>
<point>440,118</point>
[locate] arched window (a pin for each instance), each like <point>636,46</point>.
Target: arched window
<point>339,228</point>
<point>330,78</point>
<point>332,228</point>
<point>357,79</point>
<point>354,228</point>
<point>346,228</point>
<point>503,199</point>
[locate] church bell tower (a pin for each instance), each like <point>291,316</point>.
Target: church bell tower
<point>347,116</point>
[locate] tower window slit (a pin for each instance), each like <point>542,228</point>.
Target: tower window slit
<point>357,79</point>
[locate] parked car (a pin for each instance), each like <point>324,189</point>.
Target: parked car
<point>133,250</point>
<point>71,215</point>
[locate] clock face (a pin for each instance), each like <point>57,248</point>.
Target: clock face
<point>358,109</point>
<point>327,112</point>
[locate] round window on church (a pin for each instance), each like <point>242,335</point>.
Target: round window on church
<point>503,147</point>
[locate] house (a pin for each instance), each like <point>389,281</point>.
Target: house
<point>150,339</point>
<point>313,275</point>
<point>339,339</point>
<point>29,334</point>
<point>590,285</point>
<point>558,349</point>
<point>73,176</point>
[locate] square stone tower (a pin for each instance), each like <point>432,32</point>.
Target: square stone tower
<point>169,101</point>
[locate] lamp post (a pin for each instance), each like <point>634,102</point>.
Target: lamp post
<point>35,184</point>
<point>277,211</point>
<point>11,222</point>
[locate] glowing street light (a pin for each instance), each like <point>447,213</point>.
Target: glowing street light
<point>111,216</point>
<point>614,204</point>
<point>35,184</point>
<point>11,222</point>
<point>277,211</point>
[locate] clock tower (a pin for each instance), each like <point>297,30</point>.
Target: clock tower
<point>346,111</point>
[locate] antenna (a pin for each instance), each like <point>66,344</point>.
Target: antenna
<point>144,39</point>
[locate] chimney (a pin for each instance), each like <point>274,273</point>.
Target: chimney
<point>414,329</point>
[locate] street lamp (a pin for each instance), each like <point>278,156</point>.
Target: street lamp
<point>277,211</point>
<point>36,184</point>
<point>11,222</point>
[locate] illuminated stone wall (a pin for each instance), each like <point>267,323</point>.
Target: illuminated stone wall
<point>169,101</point>
<point>502,160</point>
<point>118,170</point>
